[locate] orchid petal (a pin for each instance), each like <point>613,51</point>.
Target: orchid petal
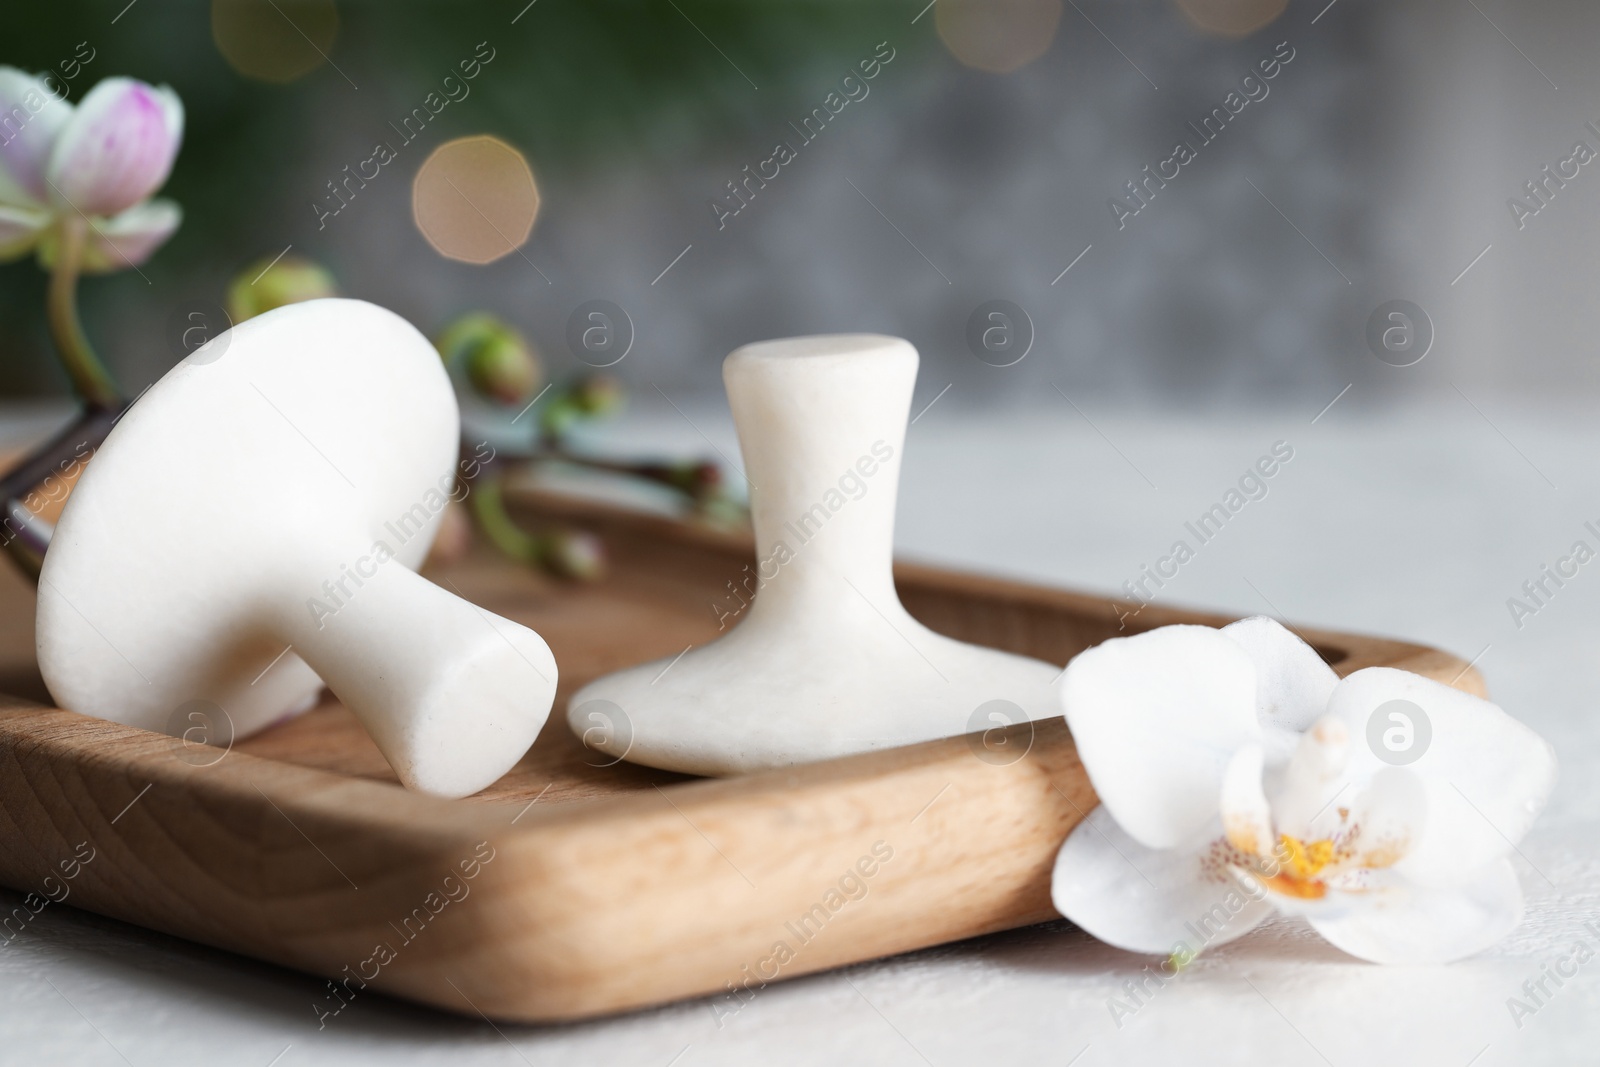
<point>118,149</point>
<point>1156,718</point>
<point>1246,818</point>
<point>1293,683</point>
<point>1385,821</point>
<point>1151,900</point>
<point>122,242</point>
<point>129,239</point>
<point>1407,923</point>
<point>1486,775</point>
<point>20,228</point>
<point>31,118</point>
<point>1369,836</point>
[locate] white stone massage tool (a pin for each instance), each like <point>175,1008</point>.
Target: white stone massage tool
<point>277,489</point>
<point>825,661</point>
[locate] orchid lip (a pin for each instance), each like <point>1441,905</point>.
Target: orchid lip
<point>1307,869</point>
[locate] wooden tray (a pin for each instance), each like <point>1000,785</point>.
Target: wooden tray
<point>571,889</point>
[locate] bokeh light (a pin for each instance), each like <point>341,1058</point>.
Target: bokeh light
<point>474,199</point>
<point>1231,18</point>
<point>274,40</point>
<point>998,36</point>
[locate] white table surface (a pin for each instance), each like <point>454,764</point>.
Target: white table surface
<point>1416,522</point>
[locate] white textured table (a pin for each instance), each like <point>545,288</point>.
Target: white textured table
<point>1417,522</point>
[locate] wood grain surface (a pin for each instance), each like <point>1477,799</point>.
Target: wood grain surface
<point>574,886</point>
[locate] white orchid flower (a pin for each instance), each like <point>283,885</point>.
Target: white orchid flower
<point>1239,775</point>
<point>95,165</point>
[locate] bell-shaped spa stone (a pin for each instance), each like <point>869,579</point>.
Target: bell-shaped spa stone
<point>825,661</point>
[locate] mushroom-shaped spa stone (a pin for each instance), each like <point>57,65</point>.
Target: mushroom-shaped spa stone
<point>824,661</point>
<point>273,491</point>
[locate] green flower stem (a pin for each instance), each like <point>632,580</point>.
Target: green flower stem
<point>675,476</point>
<point>489,508</point>
<point>24,539</point>
<point>89,376</point>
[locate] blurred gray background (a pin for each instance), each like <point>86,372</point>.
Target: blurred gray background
<point>1378,167</point>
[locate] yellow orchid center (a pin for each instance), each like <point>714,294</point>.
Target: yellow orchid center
<point>1305,859</point>
<point>1299,863</point>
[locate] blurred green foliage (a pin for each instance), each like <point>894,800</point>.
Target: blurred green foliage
<point>580,87</point>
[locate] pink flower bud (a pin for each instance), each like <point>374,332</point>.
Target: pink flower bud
<point>31,118</point>
<point>117,149</point>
